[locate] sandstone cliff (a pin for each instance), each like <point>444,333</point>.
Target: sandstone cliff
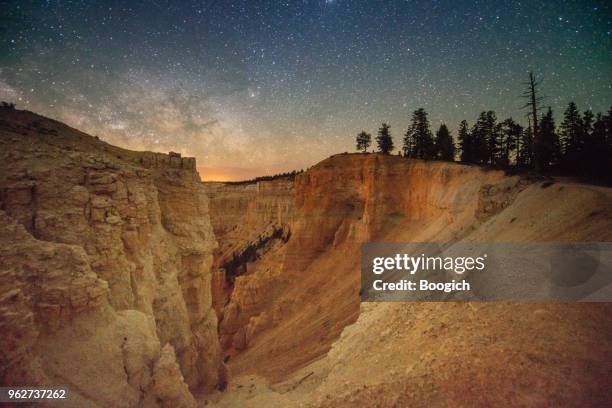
<point>308,285</point>
<point>111,277</point>
<point>105,259</point>
<point>485,354</point>
<point>252,224</point>
<point>323,348</point>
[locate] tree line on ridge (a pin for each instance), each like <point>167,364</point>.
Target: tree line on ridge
<point>580,146</point>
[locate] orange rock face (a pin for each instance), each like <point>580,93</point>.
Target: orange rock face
<point>252,222</point>
<point>112,282</point>
<point>296,318</point>
<point>106,257</point>
<point>308,284</point>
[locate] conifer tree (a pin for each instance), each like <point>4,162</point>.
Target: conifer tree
<point>384,139</point>
<point>484,137</point>
<point>495,143</point>
<point>599,149</point>
<point>418,141</point>
<point>590,146</point>
<point>547,148</point>
<point>409,144</point>
<point>510,141</point>
<point>444,145</point>
<point>363,141</point>
<point>587,121</point>
<point>525,152</point>
<point>571,133</point>
<point>465,143</point>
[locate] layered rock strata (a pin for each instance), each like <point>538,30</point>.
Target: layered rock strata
<point>252,223</point>
<point>308,285</point>
<point>106,257</point>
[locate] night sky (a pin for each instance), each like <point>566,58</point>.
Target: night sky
<point>257,87</point>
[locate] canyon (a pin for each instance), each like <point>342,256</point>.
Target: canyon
<point>411,354</point>
<point>123,269</point>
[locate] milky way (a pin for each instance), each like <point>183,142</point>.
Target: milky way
<point>257,87</point>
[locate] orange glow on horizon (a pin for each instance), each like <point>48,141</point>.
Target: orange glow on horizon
<point>234,173</point>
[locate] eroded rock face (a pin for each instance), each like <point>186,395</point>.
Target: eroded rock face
<point>290,303</point>
<point>252,223</point>
<point>418,354</point>
<point>106,257</point>
<point>245,212</point>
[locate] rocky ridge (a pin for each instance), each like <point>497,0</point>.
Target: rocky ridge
<point>106,257</point>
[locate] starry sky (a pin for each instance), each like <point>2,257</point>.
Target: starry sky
<point>256,87</point>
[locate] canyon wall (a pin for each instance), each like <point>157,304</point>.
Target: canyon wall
<point>484,354</point>
<point>325,349</point>
<point>105,259</point>
<point>252,223</point>
<point>292,301</point>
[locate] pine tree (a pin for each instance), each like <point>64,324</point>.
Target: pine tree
<point>384,139</point>
<point>409,144</point>
<point>465,143</point>
<point>418,140</point>
<point>363,141</point>
<point>572,138</point>
<point>479,139</point>
<point>444,145</point>
<point>587,121</point>
<point>547,148</point>
<point>484,138</point>
<point>525,152</point>
<point>511,140</point>
<point>495,142</point>
<point>598,149</point>
<point>590,146</point>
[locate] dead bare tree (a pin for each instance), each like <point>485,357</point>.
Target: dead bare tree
<point>533,101</point>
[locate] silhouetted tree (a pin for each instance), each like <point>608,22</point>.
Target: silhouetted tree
<point>495,143</point>
<point>571,132</point>
<point>409,144</point>
<point>524,156</point>
<point>479,139</point>
<point>587,121</point>
<point>466,144</point>
<point>363,141</point>
<point>418,141</point>
<point>511,133</point>
<point>384,139</point>
<point>598,149</point>
<point>484,137</point>
<point>590,146</point>
<point>444,145</point>
<point>290,175</point>
<point>548,149</point>
<point>533,102</point>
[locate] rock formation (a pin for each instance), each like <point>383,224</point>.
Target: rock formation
<point>105,259</point>
<point>112,281</point>
<point>320,347</point>
<point>251,222</point>
<point>309,283</point>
